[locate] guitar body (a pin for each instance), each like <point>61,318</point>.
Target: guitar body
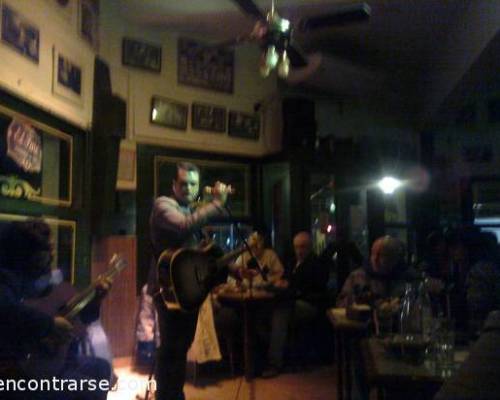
<point>47,360</point>
<point>49,357</point>
<point>189,274</point>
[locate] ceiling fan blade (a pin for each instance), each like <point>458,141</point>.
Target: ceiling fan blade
<point>297,59</point>
<point>344,16</point>
<point>250,8</point>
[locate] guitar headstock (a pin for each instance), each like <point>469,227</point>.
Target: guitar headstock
<point>117,263</point>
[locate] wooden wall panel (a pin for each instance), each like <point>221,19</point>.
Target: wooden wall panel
<point>119,308</point>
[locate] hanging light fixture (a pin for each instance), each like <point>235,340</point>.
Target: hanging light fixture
<point>276,41</point>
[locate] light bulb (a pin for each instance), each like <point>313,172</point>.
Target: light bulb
<point>284,65</point>
<point>389,184</point>
<point>271,57</point>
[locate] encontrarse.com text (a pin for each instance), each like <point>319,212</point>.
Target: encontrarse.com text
<point>72,385</point>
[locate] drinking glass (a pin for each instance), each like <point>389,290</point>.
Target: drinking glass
<point>445,343</point>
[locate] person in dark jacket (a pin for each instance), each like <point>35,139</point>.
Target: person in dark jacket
<point>303,296</point>
<point>26,255</point>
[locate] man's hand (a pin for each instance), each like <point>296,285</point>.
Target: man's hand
<point>248,273</point>
<point>102,288</point>
<point>220,192</point>
<point>281,284</point>
<point>62,332</point>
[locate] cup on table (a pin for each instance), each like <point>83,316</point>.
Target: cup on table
<point>445,343</point>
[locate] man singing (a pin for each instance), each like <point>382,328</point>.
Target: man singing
<point>174,225</point>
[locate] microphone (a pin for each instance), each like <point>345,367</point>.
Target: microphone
<point>211,189</point>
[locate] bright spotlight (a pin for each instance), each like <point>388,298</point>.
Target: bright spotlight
<point>389,184</point>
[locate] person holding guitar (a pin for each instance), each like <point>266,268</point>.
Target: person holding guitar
<point>26,254</point>
<point>174,225</point>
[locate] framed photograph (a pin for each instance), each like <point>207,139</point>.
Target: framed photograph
<point>89,21</point>
<point>20,34</point>
<point>208,118</point>
<point>207,67</point>
<point>169,113</point>
<point>232,173</point>
<point>244,125</point>
<point>141,55</point>
<point>127,171</point>
<point>67,77</point>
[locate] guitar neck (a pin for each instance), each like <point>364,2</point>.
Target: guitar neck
<point>82,299</point>
<point>228,257</point>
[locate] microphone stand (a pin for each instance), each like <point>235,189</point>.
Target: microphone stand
<point>245,243</point>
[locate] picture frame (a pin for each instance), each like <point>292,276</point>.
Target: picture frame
<point>208,117</point>
<point>63,234</point>
<point>244,125</point>
<point>139,54</point>
<point>232,173</point>
<point>127,166</point>
<point>67,77</point>
<point>169,113</point>
<point>20,34</point>
<point>204,66</point>
<point>88,22</point>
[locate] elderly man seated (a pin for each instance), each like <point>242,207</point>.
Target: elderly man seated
<point>384,277</point>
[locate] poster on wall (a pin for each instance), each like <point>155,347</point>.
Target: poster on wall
<point>89,21</point>
<point>21,152</point>
<point>207,67</point>
<point>139,54</point>
<point>169,113</point>
<point>208,117</point>
<point>244,125</point>
<point>67,77</point>
<point>20,34</point>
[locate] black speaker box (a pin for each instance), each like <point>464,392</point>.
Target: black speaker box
<point>108,128</point>
<point>299,124</point>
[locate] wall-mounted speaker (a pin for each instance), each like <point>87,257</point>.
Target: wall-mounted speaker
<point>108,128</point>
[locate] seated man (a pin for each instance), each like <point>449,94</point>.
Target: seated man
<point>384,277</point>
<point>302,301</point>
<point>25,269</point>
<point>264,268</point>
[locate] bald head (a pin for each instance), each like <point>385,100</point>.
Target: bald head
<point>387,253</point>
<point>302,245</point>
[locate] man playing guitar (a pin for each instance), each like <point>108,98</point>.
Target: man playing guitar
<point>26,253</point>
<point>174,224</point>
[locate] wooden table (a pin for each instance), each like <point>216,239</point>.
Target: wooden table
<point>397,378</point>
<point>247,301</point>
<point>347,334</point>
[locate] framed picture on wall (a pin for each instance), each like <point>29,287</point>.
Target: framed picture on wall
<point>88,21</point>
<point>208,117</point>
<point>20,34</point>
<point>67,77</point>
<point>169,113</point>
<point>208,67</point>
<point>142,55</point>
<point>244,125</point>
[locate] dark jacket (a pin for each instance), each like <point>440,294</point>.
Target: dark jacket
<point>21,326</point>
<point>308,279</point>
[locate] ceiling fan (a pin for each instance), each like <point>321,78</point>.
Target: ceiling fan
<point>274,35</point>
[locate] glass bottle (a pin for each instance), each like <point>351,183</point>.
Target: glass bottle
<point>409,318</point>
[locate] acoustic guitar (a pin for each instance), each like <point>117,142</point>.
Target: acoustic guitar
<point>187,275</point>
<point>47,358</point>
